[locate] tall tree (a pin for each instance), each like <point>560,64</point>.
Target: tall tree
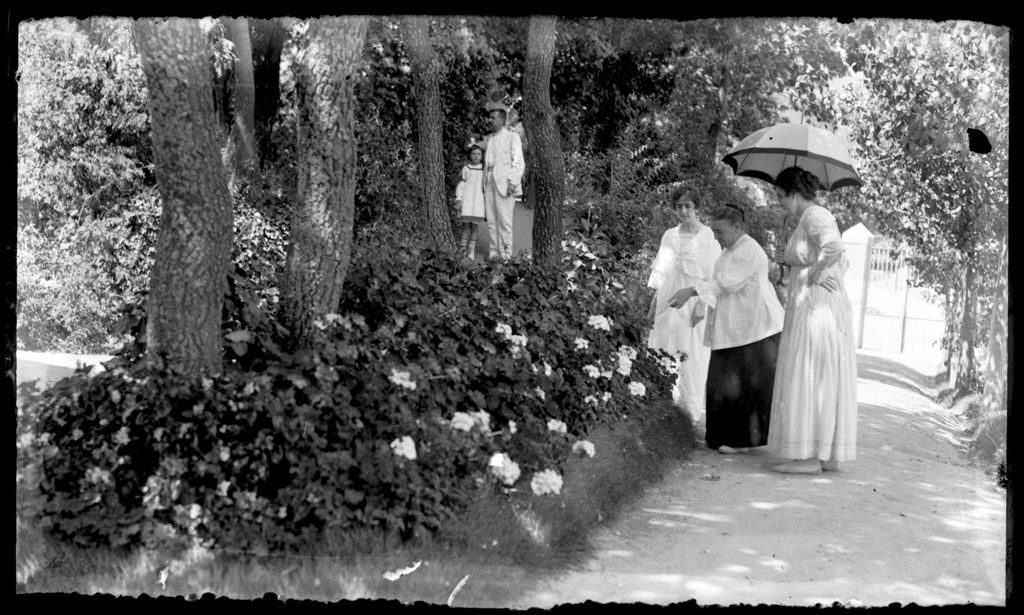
<point>193,252</point>
<point>915,89</point>
<point>241,147</point>
<point>426,74</point>
<point>547,167</point>
<point>267,37</point>
<point>321,228</point>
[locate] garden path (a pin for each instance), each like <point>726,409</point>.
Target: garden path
<point>908,521</point>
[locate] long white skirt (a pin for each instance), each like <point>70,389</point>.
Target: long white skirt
<point>814,403</point>
<point>673,333</point>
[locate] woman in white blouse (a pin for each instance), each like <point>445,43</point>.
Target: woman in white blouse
<point>744,326</point>
<point>686,256</point>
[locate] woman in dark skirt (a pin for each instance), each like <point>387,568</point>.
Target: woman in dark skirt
<point>743,330</point>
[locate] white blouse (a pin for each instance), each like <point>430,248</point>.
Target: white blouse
<point>745,308</point>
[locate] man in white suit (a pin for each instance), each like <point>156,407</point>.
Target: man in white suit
<point>503,173</point>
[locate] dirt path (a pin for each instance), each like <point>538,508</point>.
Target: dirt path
<point>908,521</point>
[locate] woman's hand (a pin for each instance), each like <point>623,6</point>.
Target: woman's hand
<point>830,282</point>
<point>679,299</point>
<point>826,278</point>
<point>698,314</point>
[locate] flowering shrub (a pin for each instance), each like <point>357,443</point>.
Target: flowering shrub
<point>431,380</point>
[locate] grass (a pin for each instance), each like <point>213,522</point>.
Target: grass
<point>489,542</point>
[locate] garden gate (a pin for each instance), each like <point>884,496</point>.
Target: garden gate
<point>891,313</point>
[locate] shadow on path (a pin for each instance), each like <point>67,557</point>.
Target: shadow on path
<point>907,521</point>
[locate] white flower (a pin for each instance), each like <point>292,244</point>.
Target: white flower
<point>607,373</point>
<point>533,368</point>
<point>121,437</point>
<point>600,322</point>
<point>540,393</point>
<point>584,446</point>
<point>26,439</point>
<point>249,389</point>
<point>198,408</point>
<point>511,427</point>
<point>115,395</point>
<point>606,397</point>
<point>158,433</point>
<point>668,364</point>
<point>482,419</point>
<point>222,488</point>
<point>625,365</point>
<point>502,466</point>
<point>207,384</point>
<point>547,369</point>
<point>404,447</point>
<point>225,453</point>
<point>518,344</point>
<point>332,318</point>
<point>504,329</point>
<point>546,481</point>
<point>76,433</point>
<point>462,421</point>
<point>637,388</point>
<point>194,511</point>
<point>402,379</point>
<point>590,399</point>
<point>557,426</point>
<point>282,511</point>
<point>592,371</point>
<point>628,351</point>
<point>98,475</point>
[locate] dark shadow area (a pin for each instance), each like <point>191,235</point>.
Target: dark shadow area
<point>893,373</point>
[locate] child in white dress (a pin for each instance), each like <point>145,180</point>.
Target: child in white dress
<point>469,197</point>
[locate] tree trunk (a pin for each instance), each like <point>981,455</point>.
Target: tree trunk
<point>547,167</point>
<point>967,369</point>
<point>321,229</point>
<point>426,75</point>
<point>268,37</point>
<point>993,396</point>
<point>242,138</point>
<point>193,251</point>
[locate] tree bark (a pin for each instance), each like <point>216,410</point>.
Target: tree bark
<point>967,369</point>
<point>993,395</point>
<point>193,251</point>
<point>321,229</point>
<point>544,160</point>
<point>426,75</point>
<point>242,138</point>
<point>268,37</point>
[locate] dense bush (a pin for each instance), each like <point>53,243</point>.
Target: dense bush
<point>83,123</point>
<point>466,362</point>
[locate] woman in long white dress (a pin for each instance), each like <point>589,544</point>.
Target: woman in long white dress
<point>814,403</point>
<point>685,257</point>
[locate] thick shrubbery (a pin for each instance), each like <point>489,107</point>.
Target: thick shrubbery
<point>431,380</point>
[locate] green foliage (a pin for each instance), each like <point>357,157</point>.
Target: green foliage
<point>72,280</point>
<point>914,91</point>
<point>281,447</point>
<point>83,122</point>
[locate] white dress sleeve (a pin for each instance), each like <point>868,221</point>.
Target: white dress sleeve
<point>664,261</point>
<point>823,232</point>
<point>732,272</point>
